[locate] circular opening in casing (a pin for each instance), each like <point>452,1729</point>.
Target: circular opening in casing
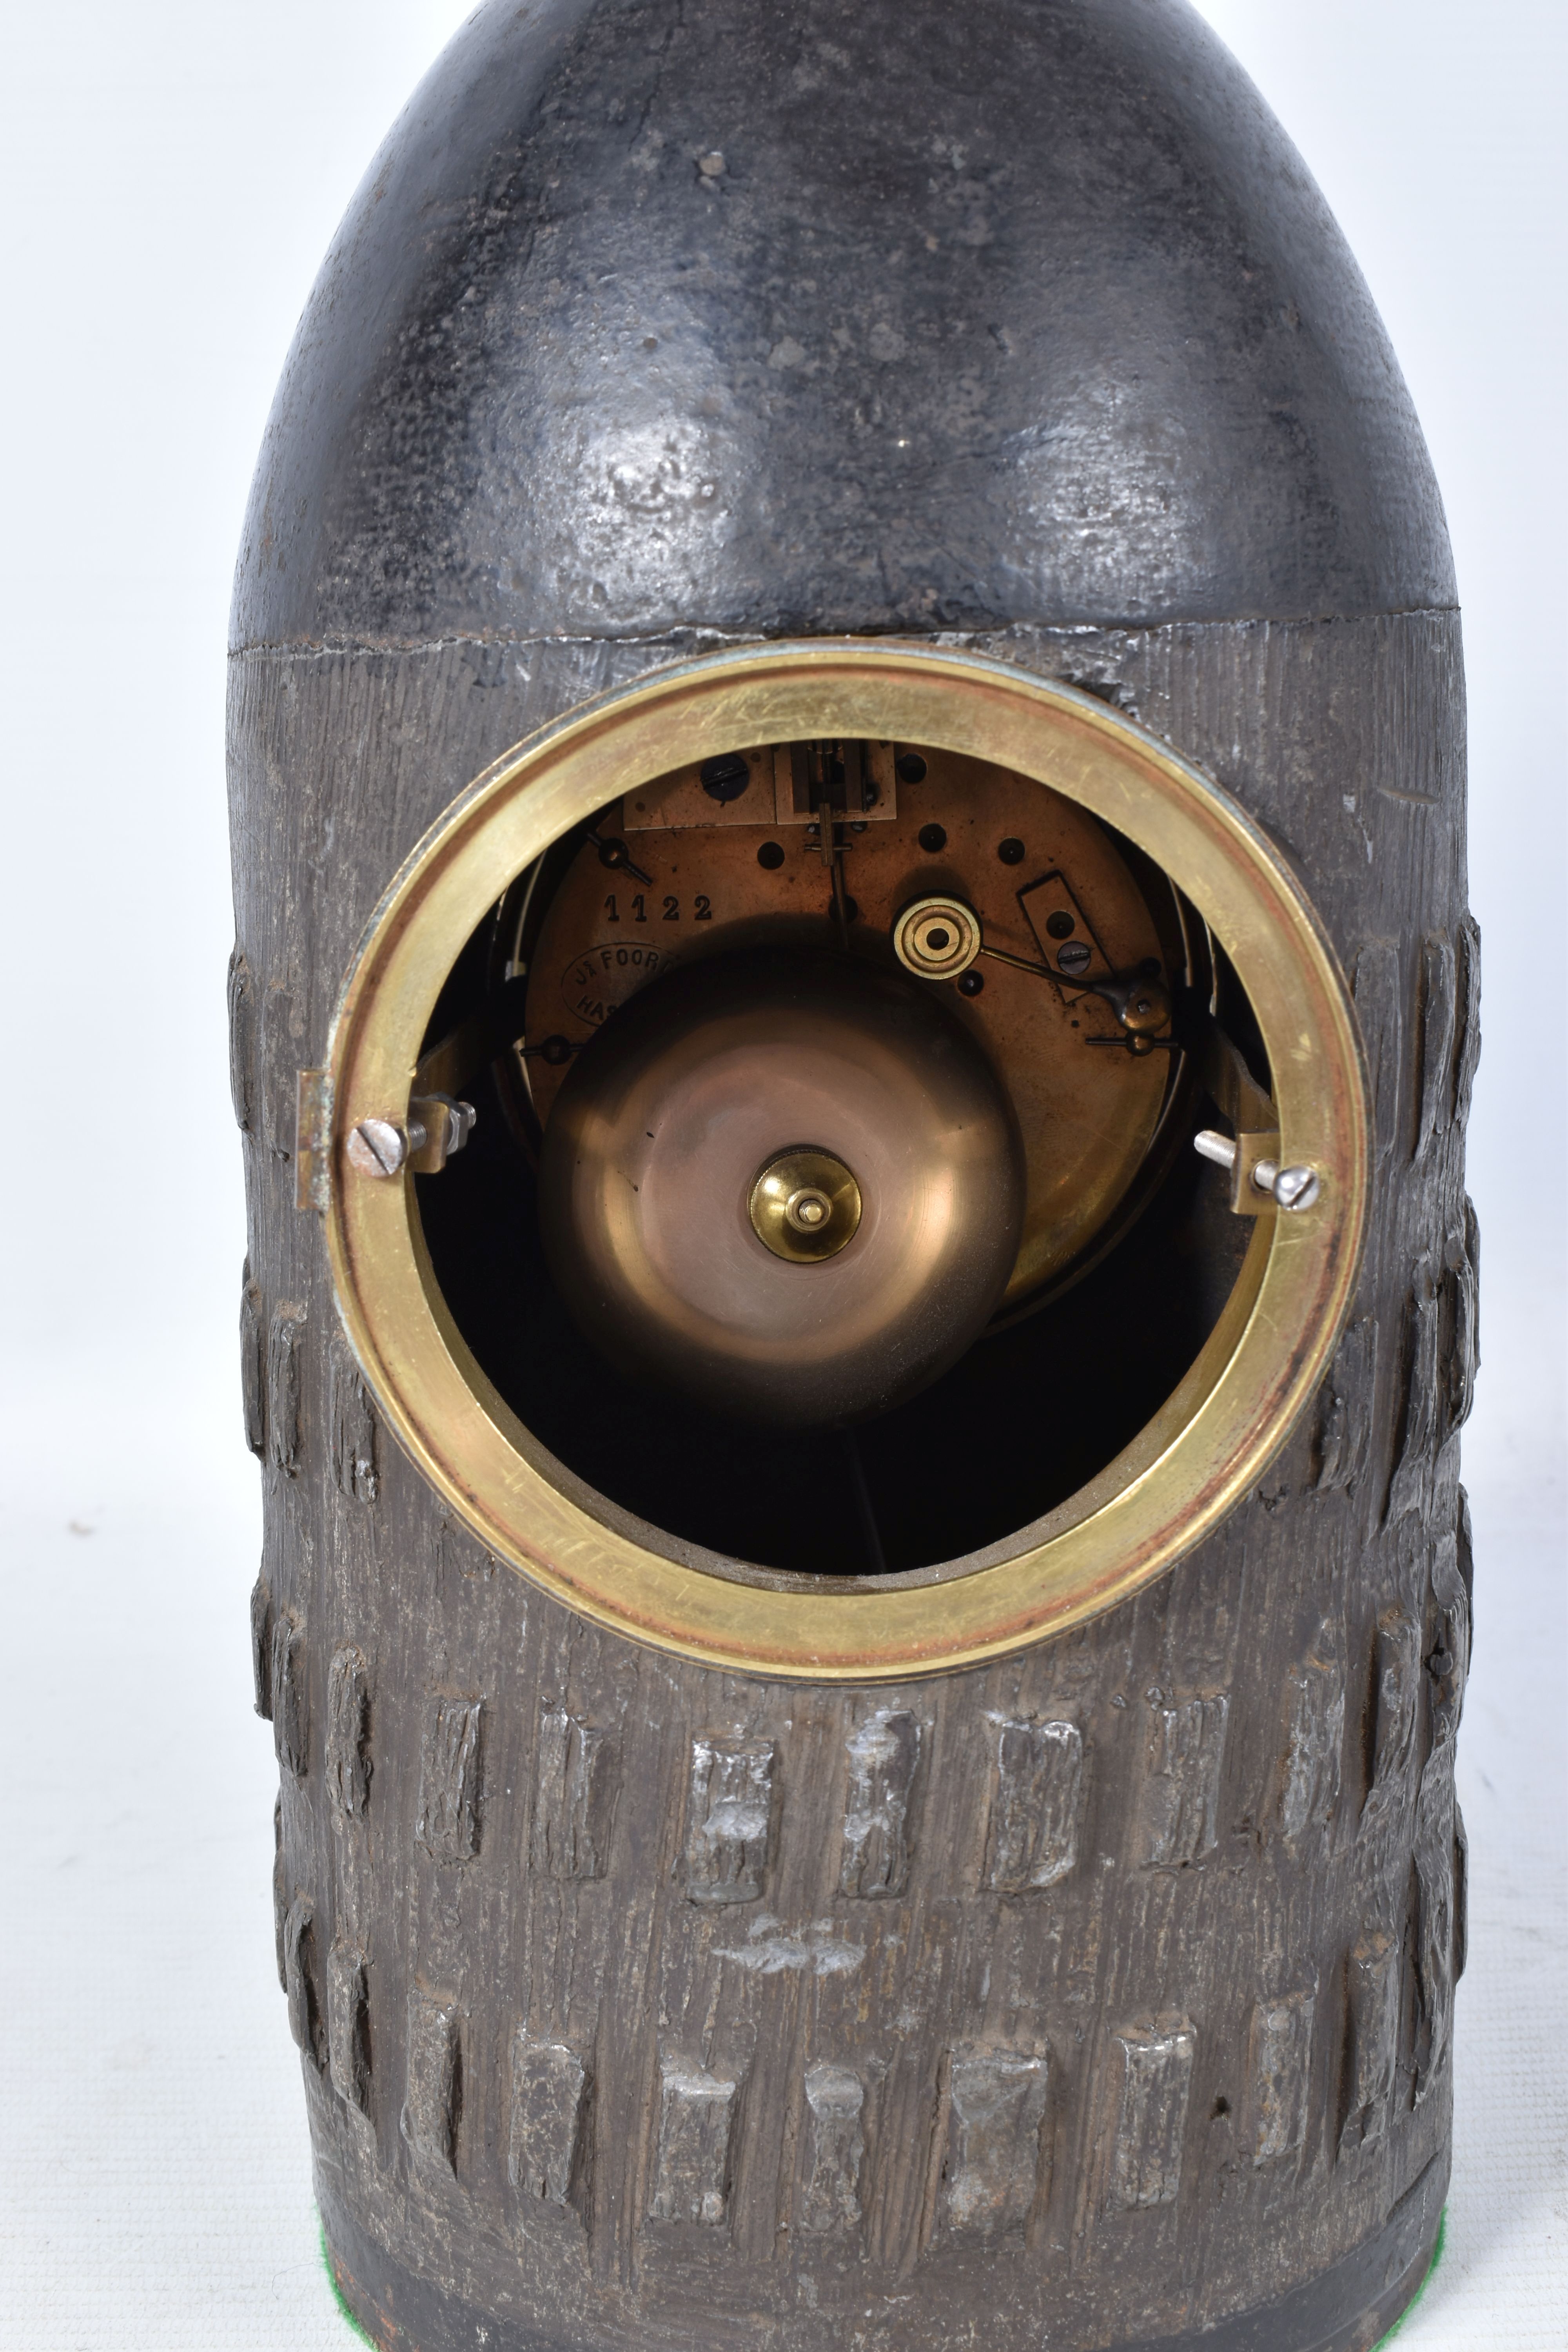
<point>1126,923</point>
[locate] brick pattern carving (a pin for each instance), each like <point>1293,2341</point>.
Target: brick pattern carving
<point>348,2025</point>
<point>993,2169</point>
<point>548,2148</point>
<point>1469,1048</point>
<point>1395,1692</point>
<point>695,2120</point>
<point>1183,1759</point>
<point>448,1827</point>
<point>348,1765</point>
<point>997,2102</point>
<point>1314,1743</point>
<point>1346,1409</point>
<point>1465,1548</point>
<point>1151,2116</point>
<point>284,1355</point>
<point>302,1981</point>
<point>242,1076</point>
<point>433,2107</point>
<point>1418,1424</point>
<point>1458,1343</point>
<point>354,1438</point>
<point>252,1362</point>
<point>288,1682</point>
<point>1448,1642</point>
<point>884,1756</point>
<point>261,1647</point>
<point>1436,1935</point>
<point>1036,1806</point>
<point>1279,2068</point>
<point>729,1820</point>
<point>806,2107</point>
<point>1438,1017</point>
<point>834,2147</point>
<point>1373,1980</point>
<point>280,1896</point>
<point>574,1806</point>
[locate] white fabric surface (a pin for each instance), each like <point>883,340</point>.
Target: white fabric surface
<point>154,2168</point>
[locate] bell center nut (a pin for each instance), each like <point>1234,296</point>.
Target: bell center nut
<point>804,1283</point>
<point>805,1206</point>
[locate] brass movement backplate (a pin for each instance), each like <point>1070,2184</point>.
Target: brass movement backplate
<point>1030,868</point>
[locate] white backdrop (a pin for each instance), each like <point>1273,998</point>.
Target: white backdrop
<point>172,173</point>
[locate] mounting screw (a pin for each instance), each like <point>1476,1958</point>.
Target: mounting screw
<point>377,1148</point>
<point>970,983</point>
<point>727,777</point>
<point>1289,1189</point>
<point>1294,1188</point>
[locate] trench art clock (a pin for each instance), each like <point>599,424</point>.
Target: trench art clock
<point>853,1021</point>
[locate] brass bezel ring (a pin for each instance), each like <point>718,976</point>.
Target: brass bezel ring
<point>1185,1471</point>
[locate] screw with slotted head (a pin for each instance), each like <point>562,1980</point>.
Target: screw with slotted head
<point>377,1148</point>
<point>1294,1188</point>
<point>1289,1188</point>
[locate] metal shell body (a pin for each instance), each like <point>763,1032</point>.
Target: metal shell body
<point>655,1147</point>
<point>1103,1989</point>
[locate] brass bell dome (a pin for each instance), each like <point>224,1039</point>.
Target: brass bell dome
<point>745,1087</point>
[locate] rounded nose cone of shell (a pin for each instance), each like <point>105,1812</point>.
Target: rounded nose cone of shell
<point>666,314</point>
<point>743,1063</point>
